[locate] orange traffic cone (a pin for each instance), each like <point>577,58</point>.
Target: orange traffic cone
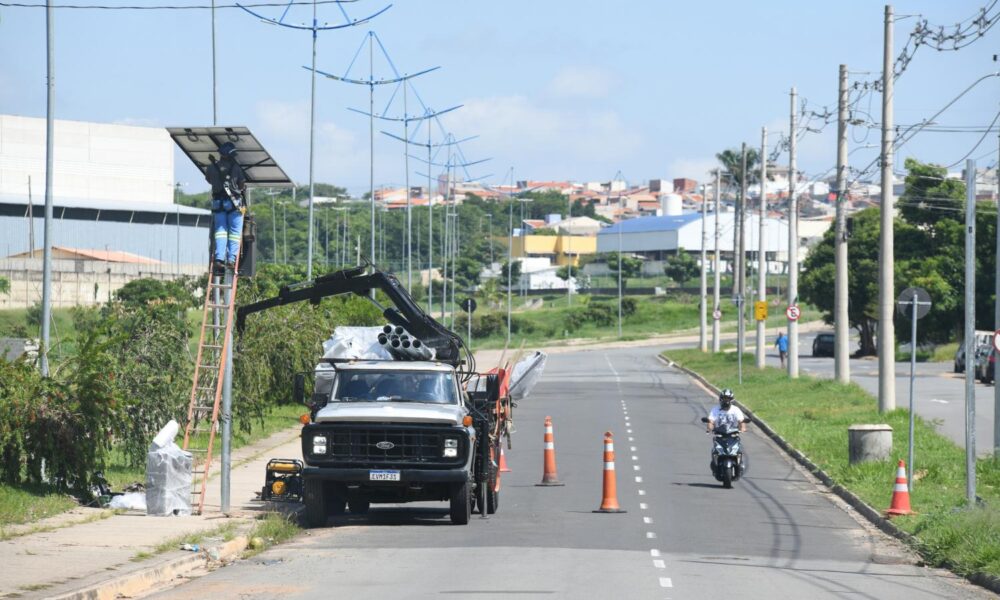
<point>900,504</point>
<point>609,502</point>
<point>549,475</point>
<point>503,462</point>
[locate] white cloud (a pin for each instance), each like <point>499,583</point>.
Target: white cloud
<point>582,82</point>
<point>570,140</point>
<point>692,168</point>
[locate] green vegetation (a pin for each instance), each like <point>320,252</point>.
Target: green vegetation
<point>273,528</point>
<point>944,352</point>
<point>929,250</point>
<point>813,415</point>
<point>594,317</point>
<point>30,503</point>
<point>224,532</point>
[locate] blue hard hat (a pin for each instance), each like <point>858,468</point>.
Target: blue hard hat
<point>227,149</point>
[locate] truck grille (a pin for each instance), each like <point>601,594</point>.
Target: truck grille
<point>358,445</point>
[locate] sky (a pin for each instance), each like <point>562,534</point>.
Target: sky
<point>553,89</point>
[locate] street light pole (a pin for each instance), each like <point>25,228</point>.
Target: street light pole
<point>716,262</point>
<point>703,282</point>
<point>793,242</point>
<point>762,248</point>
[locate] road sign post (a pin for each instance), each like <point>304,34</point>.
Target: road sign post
<point>738,301</point>
<point>717,314</point>
<point>469,306</point>
<point>918,302</point>
<point>760,310</point>
<point>793,312</point>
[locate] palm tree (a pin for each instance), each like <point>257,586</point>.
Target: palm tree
<point>731,161</point>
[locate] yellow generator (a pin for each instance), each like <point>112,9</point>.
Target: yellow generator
<point>282,480</point>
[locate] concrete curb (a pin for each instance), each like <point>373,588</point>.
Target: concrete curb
<point>145,580</point>
<point>873,516</point>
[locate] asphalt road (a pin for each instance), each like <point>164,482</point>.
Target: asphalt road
<point>775,535</point>
<point>939,393</point>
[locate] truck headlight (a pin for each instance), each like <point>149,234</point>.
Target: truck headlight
<point>450,448</point>
<point>319,444</point>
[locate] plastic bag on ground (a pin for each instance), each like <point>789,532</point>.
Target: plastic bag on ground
<point>168,476</point>
<point>129,501</point>
<point>355,342</point>
<point>525,375</point>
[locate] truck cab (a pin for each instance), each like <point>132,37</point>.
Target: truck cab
<point>387,431</point>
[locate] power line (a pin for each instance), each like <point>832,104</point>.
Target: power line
<point>286,5</point>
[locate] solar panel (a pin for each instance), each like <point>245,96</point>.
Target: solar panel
<point>198,143</point>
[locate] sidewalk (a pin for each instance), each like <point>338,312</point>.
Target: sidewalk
<point>82,550</point>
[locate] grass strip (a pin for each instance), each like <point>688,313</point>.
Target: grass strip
<point>273,528</point>
<point>224,532</point>
<point>813,416</point>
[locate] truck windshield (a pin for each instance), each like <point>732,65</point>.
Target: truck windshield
<point>396,386</point>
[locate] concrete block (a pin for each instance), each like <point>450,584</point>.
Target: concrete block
<point>867,443</point>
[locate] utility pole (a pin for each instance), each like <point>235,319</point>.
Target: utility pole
<point>793,241</point>
<point>215,88</point>
<point>742,250</point>
<point>510,257</point>
<point>703,289</point>
<point>762,247</point>
<point>996,321</point>
<point>886,262</point>
<point>312,146</point>
<point>970,323</point>
<point>841,349</point>
<point>371,141</point>
<point>569,254</point>
<point>50,99</point>
<point>715,262</point>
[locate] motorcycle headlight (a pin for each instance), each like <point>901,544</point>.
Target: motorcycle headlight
<point>319,444</point>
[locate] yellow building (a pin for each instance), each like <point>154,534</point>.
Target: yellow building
<point>560,249</point>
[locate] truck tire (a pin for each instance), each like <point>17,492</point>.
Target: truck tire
<point>316,505</point>
<point>492,497</point>
<point>359,507</point>
<point>461,503</point>
<point>336,504</point>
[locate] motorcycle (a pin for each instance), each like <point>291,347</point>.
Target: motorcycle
<point>728,461</point>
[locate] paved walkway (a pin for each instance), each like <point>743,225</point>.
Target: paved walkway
<point>79,549</point>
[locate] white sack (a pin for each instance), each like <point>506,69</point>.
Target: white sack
<point>525,375</point>
<point>355,342</point>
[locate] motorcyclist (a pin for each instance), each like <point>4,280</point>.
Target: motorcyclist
<point>726,417</point>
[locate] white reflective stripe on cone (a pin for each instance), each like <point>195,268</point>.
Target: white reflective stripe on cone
<point>550,446</point>
<point>609,466</point>
<point>900,487</point>
<point>609,447</point>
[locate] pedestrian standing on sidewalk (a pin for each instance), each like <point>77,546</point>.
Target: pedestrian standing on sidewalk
<point>782,345</point>
<point>228,186</point>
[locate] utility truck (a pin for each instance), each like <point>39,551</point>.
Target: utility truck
<point>420,425</point>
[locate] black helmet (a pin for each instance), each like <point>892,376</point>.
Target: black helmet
<point>726,398</point>
<point>228,149</point>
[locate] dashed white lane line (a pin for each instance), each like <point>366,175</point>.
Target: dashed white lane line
<point>638,479</point>
<point>634,457</point>
<point>647,520</point>
<point>650,535</point>
<point>642,492</point>
<point>643,506</point>
<point>666,582</point>
<point>659,564</point>
<point>628,431</point>
<point>631,439</point>
<point>632,448</point>
<point>654,553</point>
<point>636,468</point>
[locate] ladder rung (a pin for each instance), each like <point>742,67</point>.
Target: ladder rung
<point>220,286</point>
<point>215,326</point>
<point>201,450</point>
<point>218,305</point>
<point>212,346</point>
<point>208,366</point>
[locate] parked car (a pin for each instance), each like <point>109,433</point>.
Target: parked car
<point>985,359</point>
<point>982,338</point>
<point>960,359</point>
<point>823,345</point>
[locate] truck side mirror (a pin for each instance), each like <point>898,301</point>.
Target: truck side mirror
<point>299,388</point>
<point>492,387</point>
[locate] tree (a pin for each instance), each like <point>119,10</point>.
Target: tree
<point>515,272</point>
<point>4,285</point>
<point>732,163</point>
<point>631,266</point>
<point>930,196</point>
<point>682,267</point>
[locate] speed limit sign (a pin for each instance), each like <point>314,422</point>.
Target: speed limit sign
<point>793,312</point>
<point>717,314</point>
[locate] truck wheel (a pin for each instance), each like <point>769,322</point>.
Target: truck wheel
<point>359,507</point>
<point>316,505</point>
<point>492,492</point>
<point>461,503</point>
<point>336,504</point>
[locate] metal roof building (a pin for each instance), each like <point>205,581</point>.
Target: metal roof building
<point>656,237</point>
<point>112,191</point>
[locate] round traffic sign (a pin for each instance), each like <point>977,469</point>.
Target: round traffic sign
<point>716,314</point>
<point>468,305</point>
<point>996,340</point>
<point>793,312</point>
<point>906,301</point>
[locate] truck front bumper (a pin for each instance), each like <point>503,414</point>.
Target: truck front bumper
<point>355,475</point>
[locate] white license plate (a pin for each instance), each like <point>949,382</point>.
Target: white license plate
<point>383,475</point>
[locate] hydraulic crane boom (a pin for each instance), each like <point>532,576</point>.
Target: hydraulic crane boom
<point>406,313</point>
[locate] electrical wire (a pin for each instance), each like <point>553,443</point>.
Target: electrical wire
<point>286,4</point>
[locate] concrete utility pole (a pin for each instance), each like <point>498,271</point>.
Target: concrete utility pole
<point>996,321</point>
<point>312,153</point>
<point>215,88</point>
<point>50,99</point>
<point>715,262</point>
<point>970,325</point>
<point>703,289</point>
<point>743,238</point>
<point>793,241</point>
<point>841,325</point>
<point>569,254</point>
<point>762,247</point>
<point>886,262</point>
